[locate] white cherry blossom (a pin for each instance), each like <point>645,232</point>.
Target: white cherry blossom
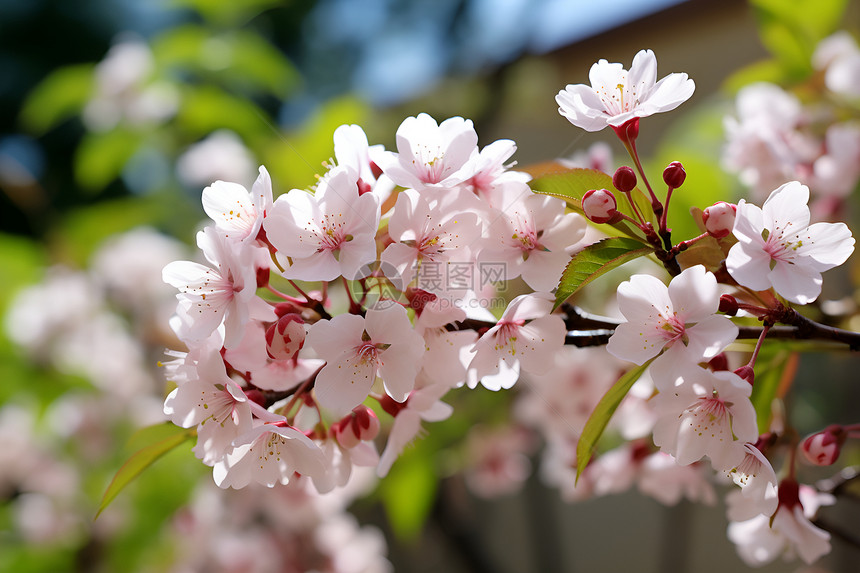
<point>430,155</point>
<point>617,96</point>
<point>777,247</point>
<point>704,413</point>
<point>680,318</point>
<point>237,212</point>
<point>755,475</point>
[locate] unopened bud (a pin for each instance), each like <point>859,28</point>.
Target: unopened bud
<point>624,179</point>
<point>728,304</point>
<point>360,425</point>
<point>285,337</point>
<point>823,448</point>
<point>719,219</point>
<point>674,175</point>
<point>747,373</point>
<point>600,206</point>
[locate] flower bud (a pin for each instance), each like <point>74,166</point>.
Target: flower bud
<point>600,206</point>
<point>360,425</point>
<point>728,304</point>
<point>674,175</point>
<point>262,277</point>
<point>285,337</point>
<point>719,219</point>
<point>624,179</point>
<point>823,448</point>
<point>747,373</point>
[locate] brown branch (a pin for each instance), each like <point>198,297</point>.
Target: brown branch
<point>586,329</point>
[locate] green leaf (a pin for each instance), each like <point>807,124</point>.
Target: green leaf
<point>101,157</point>
<point>596,260</point>
<point>773,363</point>
<point>139,461</point>
<point>61,95</point>
<point>602,413</point>
<point>209,108</point>
<point>571,184</point>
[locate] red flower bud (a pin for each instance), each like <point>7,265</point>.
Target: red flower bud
<point>285,337</point>
<point>360,425</point>
<point>728,304</point>
<point>600,206</point>
<point>674,175</point>
<point>823,448</point>
<point>719,219</point>
<point>746,373</point>
<point>624,179</point>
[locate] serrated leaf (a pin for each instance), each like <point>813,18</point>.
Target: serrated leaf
<point>602,414</point>
<point>61,95</point>
<point>570,184</point>
<point>138,462</point>
<point>596,260</point>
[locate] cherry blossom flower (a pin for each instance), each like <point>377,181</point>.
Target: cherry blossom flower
<point>755,475</point>
<point>268,454</point>
<point>357,349</point>
<point>212,295</point>
<point>515,343</point>
<point>327,235</point>
<point>425,236</point>
<point>789,532</point>
<point>663,479</point>
<point>533,237</point>
<point>430,155</point>
<point>705,413</point>
<point>617,96</point>
<point>236,212</point>
<point>777,247</point>
<point>352,150</point>
<point>680,318</point>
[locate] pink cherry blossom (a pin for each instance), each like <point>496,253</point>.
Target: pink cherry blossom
<point>680,318</point>
<point>789,533</point>
<point>425,236</point>
<point>212,295</point>
<point>358,349</point>
<point>777,247</point>
<point>616,96</point>
<point>755,475</point>
<point>268,454</point>
<point>327,235</point>
<point>704,413</point>
<point>527,336</point>
<point>533,237</point>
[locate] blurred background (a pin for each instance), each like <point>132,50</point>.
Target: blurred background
<point>115,114</point>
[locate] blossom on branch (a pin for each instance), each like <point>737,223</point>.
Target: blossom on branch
<point>617,96</point>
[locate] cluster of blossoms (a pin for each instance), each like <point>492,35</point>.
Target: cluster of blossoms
<point>386,262</point>
<point>320,312</point>
<point>776,136</point>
